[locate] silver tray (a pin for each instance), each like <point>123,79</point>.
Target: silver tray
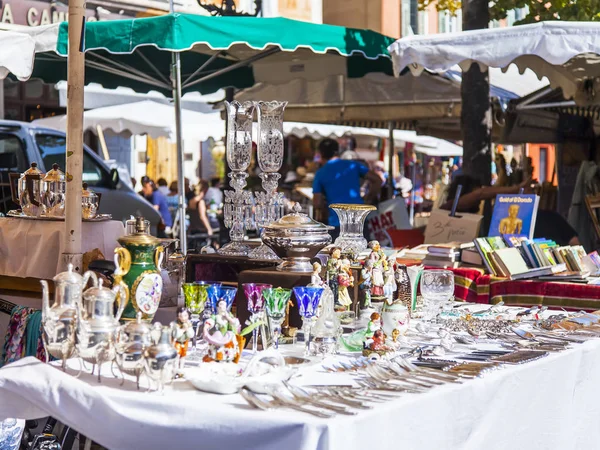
<point>16,213</point>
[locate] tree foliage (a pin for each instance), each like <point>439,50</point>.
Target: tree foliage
<point>538,10</point>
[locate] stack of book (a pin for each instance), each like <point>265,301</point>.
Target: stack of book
<point>446,255</point>
<point>530,259</point>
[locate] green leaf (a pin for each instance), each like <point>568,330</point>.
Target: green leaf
<point>251,328</point>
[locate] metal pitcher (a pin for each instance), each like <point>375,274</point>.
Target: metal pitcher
<point>29,191</point>
<point>98,324</point>
<point>59,321</point>
<point>160,358</point>
<point>132,340</point>
<point>54,190</point>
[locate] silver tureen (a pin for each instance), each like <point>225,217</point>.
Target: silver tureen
<point>296,238</point>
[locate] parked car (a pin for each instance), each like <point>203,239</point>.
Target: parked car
<point>23,143</point>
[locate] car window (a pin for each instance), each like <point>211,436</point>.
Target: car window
<point>12,154</point>
<point>53,147</point>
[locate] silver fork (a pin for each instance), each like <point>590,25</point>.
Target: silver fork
<point>265,405</point>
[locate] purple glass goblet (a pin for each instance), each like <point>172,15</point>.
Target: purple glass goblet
<point>256,307</point>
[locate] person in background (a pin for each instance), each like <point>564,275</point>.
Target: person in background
<point>173,198</point>
<point>214,195</point>
<point>337,181</point>
<point>199,219</point>
<point>548,224</point>
<point>189,191</point>
<point>133,183</point>
<point>163,186</point>
<point>159,202</point>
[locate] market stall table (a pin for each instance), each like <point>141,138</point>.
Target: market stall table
<point>549,403</point>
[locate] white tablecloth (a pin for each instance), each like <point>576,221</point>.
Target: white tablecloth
<point>33,248</point>
<point>552,403</point>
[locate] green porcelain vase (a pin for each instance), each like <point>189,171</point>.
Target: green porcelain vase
<point>138,266</point>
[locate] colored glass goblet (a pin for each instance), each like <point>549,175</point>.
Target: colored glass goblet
<point>308,299</point>
<point>276,301</point>
<point>256,307</point>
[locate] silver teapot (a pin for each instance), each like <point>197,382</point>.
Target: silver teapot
<point>160,358</point>
<point>59,321</point>
<point>97,324</point>
<point>29,191</point>
<point>132,339</point>
<point>54,189</point>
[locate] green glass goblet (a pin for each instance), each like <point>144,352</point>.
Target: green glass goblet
<point>276,301</point>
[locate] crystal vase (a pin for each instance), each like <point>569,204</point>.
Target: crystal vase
<point>237,210</point>
<point>352,221</point>
<point>269,204</point>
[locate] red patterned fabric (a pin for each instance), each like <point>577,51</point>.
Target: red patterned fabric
<point>473,285</point>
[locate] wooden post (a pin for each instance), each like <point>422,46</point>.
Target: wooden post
<point>75,80</point>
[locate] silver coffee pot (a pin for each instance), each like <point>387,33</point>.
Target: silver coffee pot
<point>29,191</point>
<point>59,321</point>
<point>98,324</point>
<point>132,339</point>
<point>160,358</point>
<point>54,189</point>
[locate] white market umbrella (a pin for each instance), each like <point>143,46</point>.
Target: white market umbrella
<point>18,46</point>
<point>145,117</point>
<point>567,53</point>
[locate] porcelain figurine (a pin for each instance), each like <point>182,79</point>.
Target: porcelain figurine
<point>379,266</point>
<point>333,270</point>
<point>403,285</point>
<point>221,331</point>
<point>183,332</point>
<point>375,324</point>
<point>315,277</point>
<point>366,275</point>
<point>345,279</point>
<point>389,286</point>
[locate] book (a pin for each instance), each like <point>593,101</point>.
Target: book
<point>539,272</point>
<point>514,240</point>
<point>471,256</point>
<point>511,260</point>
<point>485,249</point>
<point>514,214</point>
<point>418,252</point>
<point>441,264</point>
<point>450,247</point>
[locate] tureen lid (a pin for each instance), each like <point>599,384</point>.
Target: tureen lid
<point>33,170</point>
<point>55,175</point>
<point>69,276</point>
<point>137,327</point>
<point>298,220</point>
<point>99,293</point>
<point>141,236</point>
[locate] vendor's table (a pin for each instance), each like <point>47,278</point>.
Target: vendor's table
<point>33,248</point>
<point>551,403</point>
<point>215,267</point>
<point>474,285</point>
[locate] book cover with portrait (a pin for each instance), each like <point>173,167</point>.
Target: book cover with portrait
<point>514,214</point>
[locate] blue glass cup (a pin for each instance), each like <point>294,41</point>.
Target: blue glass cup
<point>217,293</point>
<point>308,298</point>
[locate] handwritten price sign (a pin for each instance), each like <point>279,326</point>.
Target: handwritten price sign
<point>442,228</point>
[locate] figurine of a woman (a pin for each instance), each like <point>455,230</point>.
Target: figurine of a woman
<point>333,270</point>
<point>365,285</point>
<point>374,325</point>
<point>315,277</point>
<point>220,331</point>
<point>345,279</point>
<point>183,332</point>
<point>389,286</point>
<point>379,266</point>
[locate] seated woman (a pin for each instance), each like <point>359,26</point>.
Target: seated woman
<point>548,224</point>
<point>199,219</point>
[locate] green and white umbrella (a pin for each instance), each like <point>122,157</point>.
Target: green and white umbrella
<point>182,53</point>
<point>217,52</point>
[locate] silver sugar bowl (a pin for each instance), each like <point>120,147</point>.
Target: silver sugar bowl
<point>296,238</point>
<point>132,339</point>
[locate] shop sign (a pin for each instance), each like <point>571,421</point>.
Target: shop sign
<point>35,13</point>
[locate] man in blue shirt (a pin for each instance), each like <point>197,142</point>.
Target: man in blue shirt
<point>158,200</point>
<point>338,181</point>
